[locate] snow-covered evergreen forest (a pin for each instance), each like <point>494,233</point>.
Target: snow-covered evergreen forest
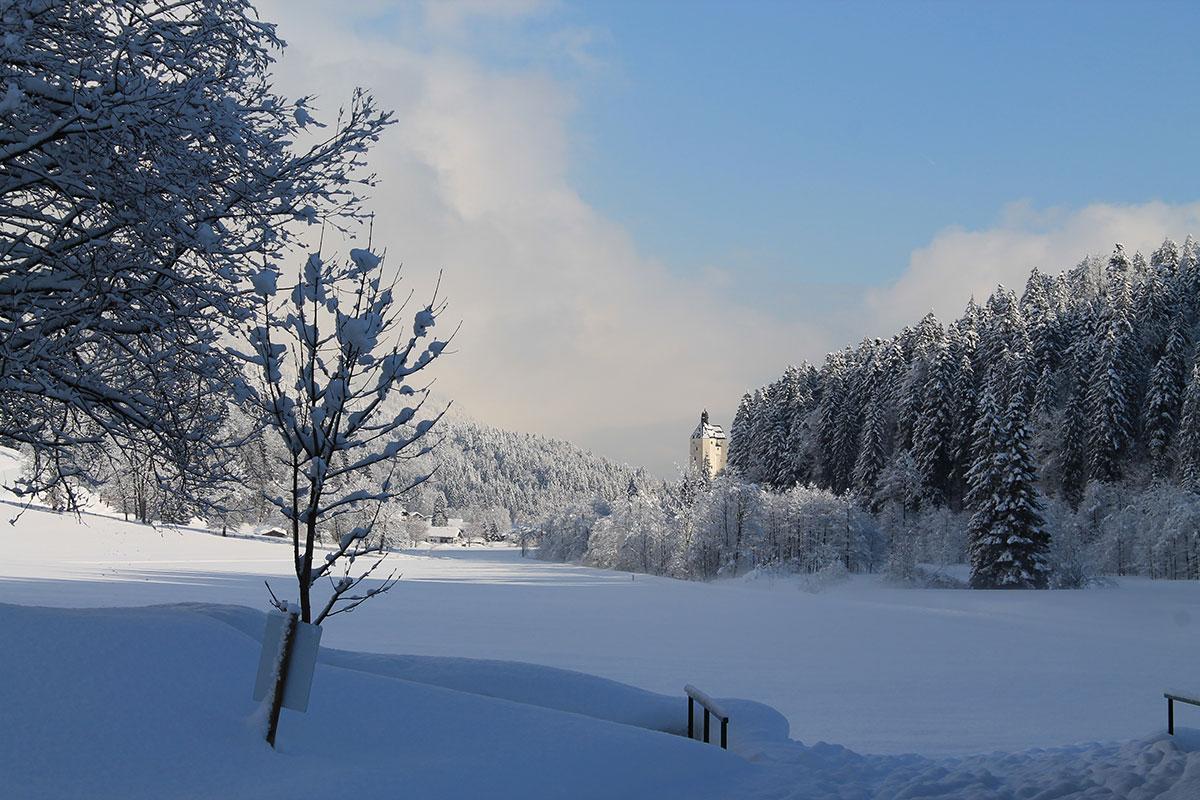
<point>1046,438</point>
<point>479,473</point>
<point>480,467</point>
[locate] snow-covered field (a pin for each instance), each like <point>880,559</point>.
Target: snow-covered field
<point>859,665</point>
<point>874,668</point>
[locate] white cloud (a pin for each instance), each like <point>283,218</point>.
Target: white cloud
<point>567,329</point>
<point>958,264</point>
<point>448,16</point>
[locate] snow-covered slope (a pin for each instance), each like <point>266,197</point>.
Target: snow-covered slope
<point>153,703</point>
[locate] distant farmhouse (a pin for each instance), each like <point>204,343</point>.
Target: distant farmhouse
<point>709,447</point>
<point>435,529</point>
<point>449,533</point>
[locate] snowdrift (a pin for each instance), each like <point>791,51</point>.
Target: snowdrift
<point>155,703</point>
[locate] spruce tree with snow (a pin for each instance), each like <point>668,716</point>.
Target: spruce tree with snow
<point>1003,331</point>
<point>1038,307</point>
<point>1188,439</point>
<point>848,431</point>
<point>438,518</point>
<point>1164,399</point>
<point>1073,447</point>
<point>739,437</point>
<point>777,458</point>
<point>1007,540</point>
<point>1189,276</point>
<point>872,447</point>
<point>961,437</point>
<point>1111,420</point>
<point>932,444</point>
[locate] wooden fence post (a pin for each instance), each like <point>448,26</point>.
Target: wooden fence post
<point>285,657</point>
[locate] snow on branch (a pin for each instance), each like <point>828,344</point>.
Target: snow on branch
<point>326,364</point>
<point>149,177</point>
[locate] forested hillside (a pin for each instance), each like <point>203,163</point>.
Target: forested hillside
<point>1046,438</point>
<point>1103,355</point>
<point>476,470</point>
<point>1092,371</point>
<point>481,467</point>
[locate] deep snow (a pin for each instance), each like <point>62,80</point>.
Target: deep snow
<point>155,702</point>
<point>873,668</point>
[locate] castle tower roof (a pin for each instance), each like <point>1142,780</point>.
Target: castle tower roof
<point>706,430</point>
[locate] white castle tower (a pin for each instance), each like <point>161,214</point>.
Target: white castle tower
<point>708,446</point>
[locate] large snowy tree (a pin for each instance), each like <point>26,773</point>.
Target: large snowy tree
<point>146,164</point>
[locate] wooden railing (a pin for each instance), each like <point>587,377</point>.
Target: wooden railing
<point>1190,699</point>
<point>711,707</point>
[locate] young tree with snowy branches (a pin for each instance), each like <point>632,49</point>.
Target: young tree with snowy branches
<point>330,363</point>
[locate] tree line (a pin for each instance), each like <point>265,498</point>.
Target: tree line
<point>1044,439</point>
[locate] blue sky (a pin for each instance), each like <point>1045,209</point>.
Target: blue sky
<point>646,208</point>
<point>825,141</point>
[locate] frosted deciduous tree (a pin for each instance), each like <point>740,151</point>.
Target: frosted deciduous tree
<point>329,355</point>
<point>146,164</point>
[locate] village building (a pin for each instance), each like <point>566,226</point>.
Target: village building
<point>449,533</point>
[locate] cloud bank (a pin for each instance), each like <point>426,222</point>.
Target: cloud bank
<point>959,264</point>
<point>568,330</point>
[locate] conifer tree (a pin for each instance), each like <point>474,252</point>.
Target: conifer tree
<point>1188,447</point>
<point>962,439</point>
<point>1073,469</point>
<point>777,432</point>
<point>1007,540</point>
<point>1164,400</point>
<point>1109,402</point>
<point>872,452</point>
<point>739,439</point>
<point>935,425</point>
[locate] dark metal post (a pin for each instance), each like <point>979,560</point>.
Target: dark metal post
<point>1171,716</point>
<point>706,724</point>
<point>285,658</point>
<point>724,733</point>
<point>691,714</point>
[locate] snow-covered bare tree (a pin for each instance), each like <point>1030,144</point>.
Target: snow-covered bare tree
<point>146,164</point>
<point>329,357</point>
